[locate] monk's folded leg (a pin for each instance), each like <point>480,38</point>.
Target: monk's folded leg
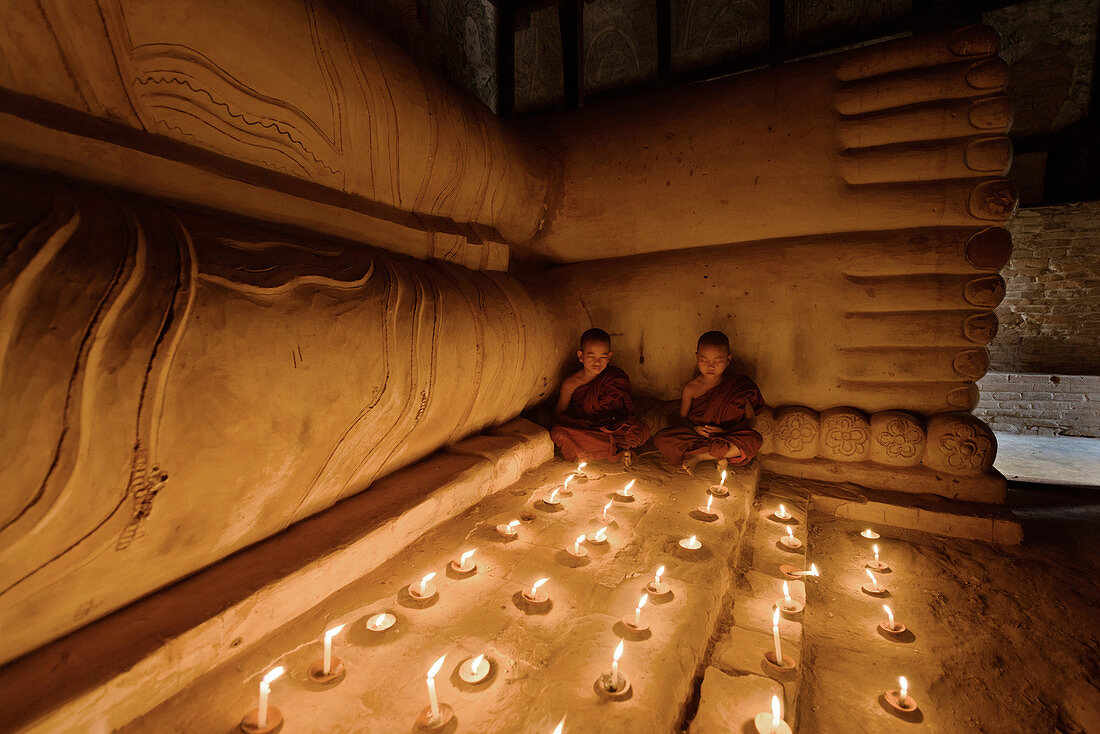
<point>630,434</point>
<point>675,444</point>
<point>582,444</point>
<point>746,442</point>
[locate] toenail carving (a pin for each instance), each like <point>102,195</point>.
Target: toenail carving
<point>989,249</point>
<point>987,74</point>
<point>971,364</point>
<point>989,154</point>
<point>995,199</point>
<point>978,40</point>
<point>985,292</point>
<point>991,113</point>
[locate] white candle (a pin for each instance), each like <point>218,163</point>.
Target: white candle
<point>535,587</point>
<point>813,570</point>
<point>775,639</point>
<point>625,491</point>
<point>326,665</point>
<point>776,717</point>
<point>710,498</point>
<point>553,496</point>
<point>607,507</point>
<point>581,466</point>
<point>638,610</point>
<point>433,702</point>
<point>875,549</point>
<point>475,663</point>
<point>615,664</point>
<point>462,560</point>
<point>577,545</point>
<point>723,482</point>
<point>657,576</point>
<point>790,532</point>
<point>265,691</point>
<point>560,727</point>
<point>565,484</point>
<point>599,537</point>
<point>874,581</point>
<point>889,616</point>
<point>786,596</point>
<point>424,582</point>
<point>782,512</point>
<point>904,691</point>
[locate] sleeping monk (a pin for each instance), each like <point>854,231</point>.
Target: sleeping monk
<point>594,417</point>
<point>716,412</point>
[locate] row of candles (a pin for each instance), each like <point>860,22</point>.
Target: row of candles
<point>899,698</point>
<point>266,718</point>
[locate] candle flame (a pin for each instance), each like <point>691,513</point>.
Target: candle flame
<point>432,671</point>
<point>813,570</point>
<point>875,549</point>
<point>476,662</point>
<point>786,592</point>
<point>692,540</point>
<point>775,619</point>
<point>618,652</point>
<point>466,556</point>
<point>535,586</point>
<point>874,581</point>
<point>904,688</point>
<point>568,479</point>
<point>776,713</point>
<point>629,486</point>
<point>660,572</point>
<point>561,725</point>
<point>889,614</point>
<point>513,524</point>
<point>329,634</point>
<point>272,674</point>
<point>607,506</point>
<point>782,511</point>
<point>643,600</point>
<point>723,482</point>
<point>427,577</point>
<point>580,539</point>
<point>600,532</point>
<point>554,494</point>
<point>582,465</point>
<point>709,500</point>
<point>790,532</point>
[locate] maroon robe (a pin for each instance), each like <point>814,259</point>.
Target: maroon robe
<point>725,405</point>
<point>601,420</point>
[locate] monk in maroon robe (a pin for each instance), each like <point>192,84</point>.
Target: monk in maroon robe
<point>716,412</point>
<point>595,414</point>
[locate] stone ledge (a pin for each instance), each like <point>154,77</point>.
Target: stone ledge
<point>729,703</point>
<point>123,665</point>
<point>927,513</point>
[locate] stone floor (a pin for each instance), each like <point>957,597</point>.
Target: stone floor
<point>1003,638</point>
<point>1061,460</point>
<point>544,664</point>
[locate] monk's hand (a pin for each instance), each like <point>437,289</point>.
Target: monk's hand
<point>704,431</point>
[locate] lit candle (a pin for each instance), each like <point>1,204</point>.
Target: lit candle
<point>464,558</point>
<point>776,718</point>
<point>326,664</point>
<point>787,603</point>
<point>476,669</point>
<point>625,491</point>
<point>615,664</point>
<point>790,533</point>
<point>381,621</point>
<point>424,583</point>
<point>889,616</point>
<point>869,533</point>
<point>606,517</point>
<point>710,499</point>
<point>599,536</point>
<point>638,610</point>
<point>508,530</point>
<point>657,576</point>
<point>265,691</point>
<point>903,691</point>
<point>782,513</point>
<point>722,483</point>
<point>875,549</point>
<point>565,484</point>
<point>433,702</point>
<point>560,727</point>
<point>874,581</point>
<point>577,545</point>
<point>535,587</point>
<point>553,498</point>
<point>691,543</point>
<point>775,639</point>
<point>812,572</point>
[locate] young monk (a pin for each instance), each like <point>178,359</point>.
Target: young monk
<point>595,414</point>
<point>716,412</point>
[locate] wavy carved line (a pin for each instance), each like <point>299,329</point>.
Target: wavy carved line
<point>267,164</point>
<point>258,122</point>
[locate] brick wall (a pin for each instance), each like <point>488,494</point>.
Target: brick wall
<point>1050,317</point>
<point>1051,405</point>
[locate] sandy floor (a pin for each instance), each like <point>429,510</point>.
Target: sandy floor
<point>1004,639</point>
